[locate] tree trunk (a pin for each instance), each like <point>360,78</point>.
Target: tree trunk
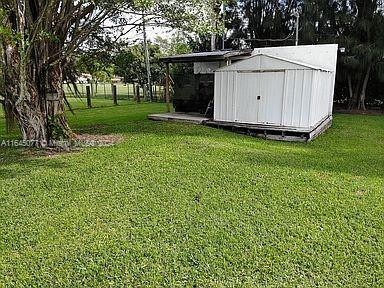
<point>361,102</point>
<point>350,88</point>
<point>92,90</point>
<point>35,96</point>
<point>40,38</point>
<point>32,122</point>
<point>41,114</point>
<point>29,110</point>
<point>28,107</point>
<point>355,95</point>
<point>58,128</point>
<point>5,102</point>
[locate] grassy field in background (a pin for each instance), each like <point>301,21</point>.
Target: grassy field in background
<point>124,92</point>
<point>181,205</point>
<point>81,103</point>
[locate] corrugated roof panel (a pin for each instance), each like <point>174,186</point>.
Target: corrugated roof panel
<point>206,56</point>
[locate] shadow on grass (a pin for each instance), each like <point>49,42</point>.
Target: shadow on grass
<point>15,162</point>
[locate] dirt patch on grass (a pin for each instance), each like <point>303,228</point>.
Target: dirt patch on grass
<point>98,140</point>
<point>361,192</point>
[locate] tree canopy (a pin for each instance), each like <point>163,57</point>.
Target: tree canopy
<point>38,42</point>
<point>356,25</point>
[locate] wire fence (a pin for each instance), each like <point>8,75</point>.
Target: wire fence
<point>105,91</point>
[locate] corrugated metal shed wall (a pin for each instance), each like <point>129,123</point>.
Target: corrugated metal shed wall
<point>297,98</point>
<point>322,97</point>
<point>225,94</point>
<point>306,98</point>
<point>324,56</point>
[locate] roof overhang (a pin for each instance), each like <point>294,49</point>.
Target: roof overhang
<point>208,56</point>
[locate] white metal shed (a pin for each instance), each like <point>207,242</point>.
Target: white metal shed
<point>277,93</point>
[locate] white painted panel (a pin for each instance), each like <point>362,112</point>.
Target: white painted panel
<point>322,95</point>
<point>315,98</point>
<point>313,88</point>
<point>218,96</point>
<point>271,91</point>
<point>331,92</point>
<point>228,88</point>
<point>224,96</point>
<point>305,95</point>
<point>324,56</point>
<point>269,63</point>
<point>261,62</point>
<point>297,95</point>
<point>247,104</point>
<point>205,67</point>
<point>305,107</point>
<point>290,87</point>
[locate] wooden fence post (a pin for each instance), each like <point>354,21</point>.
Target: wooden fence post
<point>89,103</point>
<point>138,93</point>
<point>114,94</point>
<point>167,96</point>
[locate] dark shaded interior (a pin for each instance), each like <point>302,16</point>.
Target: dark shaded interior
<point>193,92</point>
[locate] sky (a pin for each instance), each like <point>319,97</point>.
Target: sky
<point>136,34</point>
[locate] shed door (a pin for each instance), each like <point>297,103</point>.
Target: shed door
<point>260,97</point>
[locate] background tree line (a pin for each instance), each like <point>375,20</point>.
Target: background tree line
<point>41,41</point>
<point>356,25</point>
<point>45,43</point>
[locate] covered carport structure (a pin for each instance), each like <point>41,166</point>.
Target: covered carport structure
<point>193,92</point>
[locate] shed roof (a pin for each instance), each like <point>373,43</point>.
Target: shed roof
<point>206,56</point>
<point>297,62</point>
<point>248,63</point>
<point>324,55</point>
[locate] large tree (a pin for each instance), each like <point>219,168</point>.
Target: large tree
<point>38,39</point>
<point>130,64</point>
<point>358,27</point>
<point>364,49</point>
<point>259,23</point>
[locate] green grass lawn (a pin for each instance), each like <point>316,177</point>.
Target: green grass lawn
<point>182,205</point>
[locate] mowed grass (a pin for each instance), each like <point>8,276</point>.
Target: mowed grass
<point>178,205</point>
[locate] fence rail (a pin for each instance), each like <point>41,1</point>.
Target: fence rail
<point>105,90</point>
